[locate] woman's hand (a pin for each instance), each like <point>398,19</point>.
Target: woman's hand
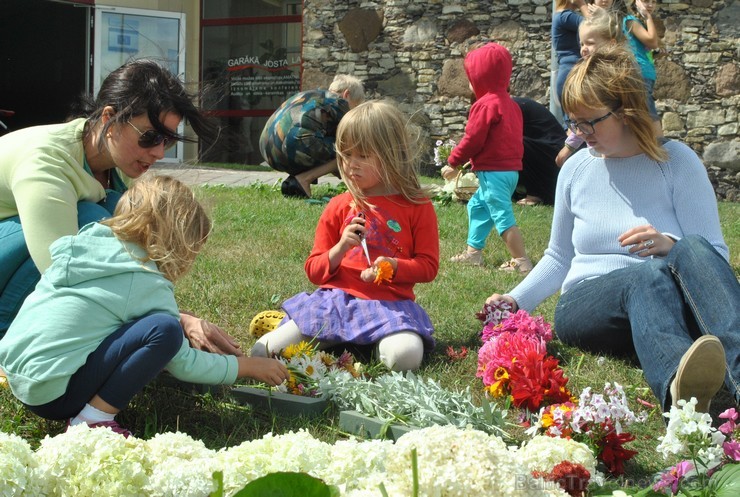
<point>368,275</point>
<point>203,335</point>
<point>503,298</point>
<point>646,241</point>
<point>270,371</point>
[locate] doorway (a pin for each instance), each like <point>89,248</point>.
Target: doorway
<point>44,60</point>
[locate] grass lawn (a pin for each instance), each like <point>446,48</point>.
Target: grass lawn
<point>254,260</point>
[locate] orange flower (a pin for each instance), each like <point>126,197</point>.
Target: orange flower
<point>383,272</point>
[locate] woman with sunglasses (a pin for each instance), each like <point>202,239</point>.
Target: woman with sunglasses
<point>56,178</point>
<point>636,246</point>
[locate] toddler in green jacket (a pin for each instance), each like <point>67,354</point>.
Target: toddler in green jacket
<point>102,323</point>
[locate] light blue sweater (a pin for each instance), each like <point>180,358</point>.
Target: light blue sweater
<point>94,285</point>
<point>597,199</point>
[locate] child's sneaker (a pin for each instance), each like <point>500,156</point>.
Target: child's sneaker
<point>113,425</point>
<point>470,258</point>
<point>521,265</point>
<point>265,322</point>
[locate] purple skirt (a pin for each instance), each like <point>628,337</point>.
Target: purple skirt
<point>334,316</point>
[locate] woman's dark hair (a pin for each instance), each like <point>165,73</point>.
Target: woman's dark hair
<point>144,87</point>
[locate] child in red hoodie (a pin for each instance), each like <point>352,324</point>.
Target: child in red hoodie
<point>493,143</point>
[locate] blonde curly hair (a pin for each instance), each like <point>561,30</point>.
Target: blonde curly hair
<point>162,216</point>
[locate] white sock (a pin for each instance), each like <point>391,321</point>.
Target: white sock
<point>90,415</point>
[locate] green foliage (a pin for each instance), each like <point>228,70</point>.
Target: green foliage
<point>288,485</point>
<point>410,400</point>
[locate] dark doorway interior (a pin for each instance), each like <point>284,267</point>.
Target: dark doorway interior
<point>43,58</point>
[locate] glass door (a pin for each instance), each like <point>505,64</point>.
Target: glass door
<point>123,34</point>
<point>250,63</point>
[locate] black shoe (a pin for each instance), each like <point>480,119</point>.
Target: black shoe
<point>292,188</point>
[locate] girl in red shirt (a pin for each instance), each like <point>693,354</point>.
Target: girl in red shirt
<point>372,244</point>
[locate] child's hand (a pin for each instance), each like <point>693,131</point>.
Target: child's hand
<point>641,9</point>
<point>448,173</point>
<point>562,156</point>
<point>368,275</point>
<point>270,371</point>
<point>352,235</point>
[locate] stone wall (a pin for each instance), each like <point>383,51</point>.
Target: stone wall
<point>411,51</point>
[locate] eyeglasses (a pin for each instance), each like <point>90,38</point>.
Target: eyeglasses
<point>586,127</point>
<point>152,138</point>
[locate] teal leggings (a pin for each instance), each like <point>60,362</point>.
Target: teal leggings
<point>18,273</point>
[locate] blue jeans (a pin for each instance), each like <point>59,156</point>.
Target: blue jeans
<point>657,309</point>
<point>120,367</point>
<point>18,273</point>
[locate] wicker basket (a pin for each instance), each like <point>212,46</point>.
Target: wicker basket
<point>463,193</point>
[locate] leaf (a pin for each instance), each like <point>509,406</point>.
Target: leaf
<point>285,484</point>
<point>218,476</point>
<point>726,481</point>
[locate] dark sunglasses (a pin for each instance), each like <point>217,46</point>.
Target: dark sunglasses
<point>152,138</point>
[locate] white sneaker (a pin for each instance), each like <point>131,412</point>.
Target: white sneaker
<point>520,265</point>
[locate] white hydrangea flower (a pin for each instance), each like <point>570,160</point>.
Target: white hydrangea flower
<point>17,467</point>
<point>178,445</point>
<point>183,466</point>
<point>298,452</point>
<point>543,453</point>
<point>454,462</point>
<point>357,466</point>
<point>84,461</point>
<point>173,477</point>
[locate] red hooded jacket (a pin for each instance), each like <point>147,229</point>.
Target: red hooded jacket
<point>494,135</point>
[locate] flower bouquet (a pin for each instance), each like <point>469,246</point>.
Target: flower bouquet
<point>598,420</point>
<point>300,394</point>
<point>513,362</point>
<point>442,151</point>
<point>308,365</point>
<point>710,467</point>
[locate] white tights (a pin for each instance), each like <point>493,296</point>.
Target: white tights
<point>401,351</point>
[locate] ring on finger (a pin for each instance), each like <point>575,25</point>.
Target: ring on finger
<point>648,243</point>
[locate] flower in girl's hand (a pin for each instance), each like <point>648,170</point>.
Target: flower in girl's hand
<point>383,272</point>
<point>442,151</point>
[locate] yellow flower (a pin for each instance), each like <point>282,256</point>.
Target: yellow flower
<point>498,388</point>
<point>384,272</point>
<point>298,349</point>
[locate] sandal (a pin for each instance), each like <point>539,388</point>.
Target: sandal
<point>521,265</point>
<point>529,201</point>
<point>264,322</point>
<point>469,258</point>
